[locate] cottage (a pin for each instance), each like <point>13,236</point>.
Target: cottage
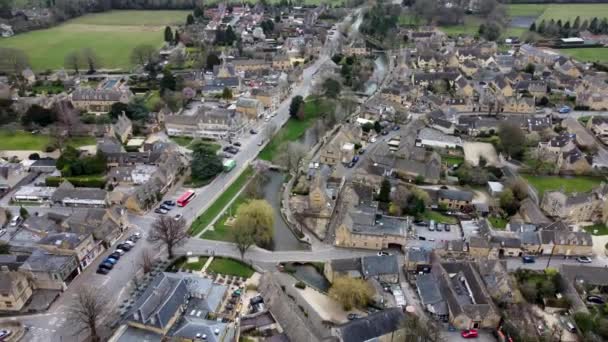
<point>469,302</point>
<point>122,128</point>
<point>50,271</point>
<point>249,107</point>
<point>431,297</point>
<point>433,138</point>
<point>385,269</point>
<point>383,325</point>
<point>69,196</point>
<point>80,245</point>
<point>99,100</point>
<point>599,126</point>
<point>566,243</point>
<point>454,199</point>
<point>577,207</point>
<point>342,268</point>
<point>15,288</point>
<point>418,260</point>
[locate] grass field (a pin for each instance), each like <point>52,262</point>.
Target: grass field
<point>559,11</point>
<point>294,129</point>
<point>25,141</point>
<point>215,209</point>
<point>498,223</point>
<point>112,35</point>
<point>439,217</point>
<point>230,267</point>
<point>588,54</point>
<point>601,229</point>
<point>572,184</point>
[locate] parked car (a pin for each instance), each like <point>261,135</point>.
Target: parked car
<point>447,227</point>
<point>438,227</point>
<point>161,210</point>
<point>107,265</point>
<point>110,260</point>
<point>252,131</point>
<point>125,247</point>
<point>129,242</point>
<point>372,140</point>
<point>355,159</point>
<point>471,333</point>
<point>166,207</point>
<point>528,259</point>
<point>2,231</point>
<point>361,150</point>
<point>383,253</point>
<point>169,203</point>
<point>103,270</point>
<point>351,165</point>
<point>422,238</point>
<point>4,333</point>
<point>120,251</point>
<point>596,300</point>
<point>133,238</point>
<point>396,128</point>
<point>261,142</point>
<point>584,260</point>
<point>384,132</point>
<point>236,143</point>
<point>352,316</point>
<point>564,110</point>
<point>15,221</point>
<point>116,255</point>
<point>226,148</point>
<point>177,217</point>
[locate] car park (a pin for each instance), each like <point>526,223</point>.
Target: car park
<point>596,300</point>
<point>584,260</point>
<point>470,333</point>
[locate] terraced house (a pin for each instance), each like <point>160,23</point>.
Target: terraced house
<point>99,100</point>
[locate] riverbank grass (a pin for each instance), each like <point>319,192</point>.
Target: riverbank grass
<point>294,129</point>
<point>221,202</point>
<point>597,229</point>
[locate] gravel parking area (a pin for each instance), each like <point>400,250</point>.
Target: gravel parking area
<point>439,235</point>
<point>473,151</point>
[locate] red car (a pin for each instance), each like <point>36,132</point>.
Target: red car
<point>471,333</point>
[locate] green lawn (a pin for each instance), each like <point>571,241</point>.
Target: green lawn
<point>23,141</point>
<point>215,209</point>
<point>452,160</point>
<point>112,35</point>
<point>498,223</point>
<point>597,54</point>
<point>439,217</point>
<point>470,27</point>
<point>601,229</point>
<point>153,100</point>
<point>526,10</point>
<point>294,129</point>
<point>230,267</point>
<point>182,141</point>
<point>571,184</point>
<point>195,266</point>
<point>221,231</point>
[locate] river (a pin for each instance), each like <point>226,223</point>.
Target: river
<point>377,76</point>
<point>283,238</point>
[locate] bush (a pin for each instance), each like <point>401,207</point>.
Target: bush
<point>88,182</point>
<point>300,285</point>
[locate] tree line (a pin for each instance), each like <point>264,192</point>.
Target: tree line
<point>559,28</point>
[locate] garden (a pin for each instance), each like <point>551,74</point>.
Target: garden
<point>569,184</point>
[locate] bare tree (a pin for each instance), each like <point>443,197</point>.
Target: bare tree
<point>73,60</point>
<point>169,231</point>
<point>317,130</point>
<point>143,54</point>
<point>146,260</point>
<point>13,61</point>
<point>67,115</point>
<point>421,330</point>
<point>91,59</point>
<point>87,310</point>
<point>291,155</point>
<point>268,130</point>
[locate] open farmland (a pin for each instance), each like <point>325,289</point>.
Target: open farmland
<point>112,35</point>
<point>559,11</point>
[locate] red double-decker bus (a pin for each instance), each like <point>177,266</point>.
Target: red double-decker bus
<point>184,199</point>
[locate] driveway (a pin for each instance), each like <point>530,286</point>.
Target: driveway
<point>473,151</point>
